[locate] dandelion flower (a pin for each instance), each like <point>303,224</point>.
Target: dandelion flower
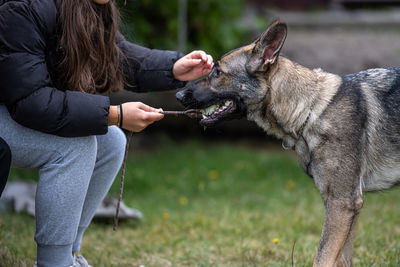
<point>290,185</point>
<point>213,174</point>
<point>276,240</point>
<point>183,201</point>
<point>165,216</point>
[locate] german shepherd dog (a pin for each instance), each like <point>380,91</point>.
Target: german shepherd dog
<point>345,130</point>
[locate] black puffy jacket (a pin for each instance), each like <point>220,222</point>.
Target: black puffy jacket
<point>28,54</point>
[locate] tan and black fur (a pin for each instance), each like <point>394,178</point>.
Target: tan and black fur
<point>345,130</point>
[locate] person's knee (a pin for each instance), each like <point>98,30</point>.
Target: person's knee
<point>76,149</point>
<point>116,143</point>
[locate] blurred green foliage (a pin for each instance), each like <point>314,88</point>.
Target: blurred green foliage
<point>213,25</point>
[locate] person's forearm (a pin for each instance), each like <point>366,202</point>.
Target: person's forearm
<point>147,69</point>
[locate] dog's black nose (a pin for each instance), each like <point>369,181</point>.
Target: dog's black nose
<point>180,95</point>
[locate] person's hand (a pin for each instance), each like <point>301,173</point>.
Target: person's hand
<point>135,116</point>
<point>192,66</point>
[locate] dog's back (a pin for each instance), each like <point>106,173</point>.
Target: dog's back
<point>366,110</point>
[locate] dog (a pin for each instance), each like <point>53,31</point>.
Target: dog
<point>345,130</point>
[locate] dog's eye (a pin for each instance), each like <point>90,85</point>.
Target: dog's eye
<point>216,73</point>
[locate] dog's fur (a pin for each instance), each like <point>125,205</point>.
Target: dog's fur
<point>346,130</point>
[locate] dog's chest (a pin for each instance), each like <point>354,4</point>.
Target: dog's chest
<point>381,179</point>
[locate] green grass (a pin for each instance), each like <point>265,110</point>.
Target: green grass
<point>213,204</point>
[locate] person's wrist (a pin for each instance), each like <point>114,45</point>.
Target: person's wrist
<point>113,115</point>
<point>174,74</point>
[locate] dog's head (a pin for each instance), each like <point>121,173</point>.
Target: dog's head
<point>238,79</point>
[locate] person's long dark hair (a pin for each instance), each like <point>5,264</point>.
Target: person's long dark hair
<point>92,60</point>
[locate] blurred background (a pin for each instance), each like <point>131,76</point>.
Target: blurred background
<point>339,36</point>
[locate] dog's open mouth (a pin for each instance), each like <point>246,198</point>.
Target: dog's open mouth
<point>216,112</point>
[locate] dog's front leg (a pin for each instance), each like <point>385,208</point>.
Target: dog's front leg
<point>344,258</point>
<point>339,223</point>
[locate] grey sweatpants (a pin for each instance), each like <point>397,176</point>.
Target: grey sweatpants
<point>75,174</point>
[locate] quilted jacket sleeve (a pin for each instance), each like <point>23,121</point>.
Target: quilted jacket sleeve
<point>148,69</point>
<point>25,84</point>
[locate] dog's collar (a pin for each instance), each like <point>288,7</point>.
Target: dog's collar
<point>303,126</point>
<point>299,134</point>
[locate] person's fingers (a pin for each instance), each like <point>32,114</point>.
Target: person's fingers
<point>203,56</point>
<point>150,114</point>
<point>198,54</point>
<point>151,117</point>
<point>191,62</point>
<point>145,107</point>
<point>205,71</point>
<point>209,60</point>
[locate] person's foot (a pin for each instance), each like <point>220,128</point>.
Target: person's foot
<point>80,261</point>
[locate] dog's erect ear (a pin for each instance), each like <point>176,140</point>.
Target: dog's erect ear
<point>267,46</point>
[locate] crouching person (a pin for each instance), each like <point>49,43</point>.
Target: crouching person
<point>59,61</point>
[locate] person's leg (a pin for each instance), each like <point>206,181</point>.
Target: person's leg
<point>5,161</point>
<point>110,153</point>
<point>65,168</point>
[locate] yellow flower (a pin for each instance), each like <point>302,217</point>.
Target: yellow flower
<point>276,240</point>
<point>290,184</point>
<point>213,174</point>
<point>165,216</point>
<point>183,201</point>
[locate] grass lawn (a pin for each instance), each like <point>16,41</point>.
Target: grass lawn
<point>217,204</point>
